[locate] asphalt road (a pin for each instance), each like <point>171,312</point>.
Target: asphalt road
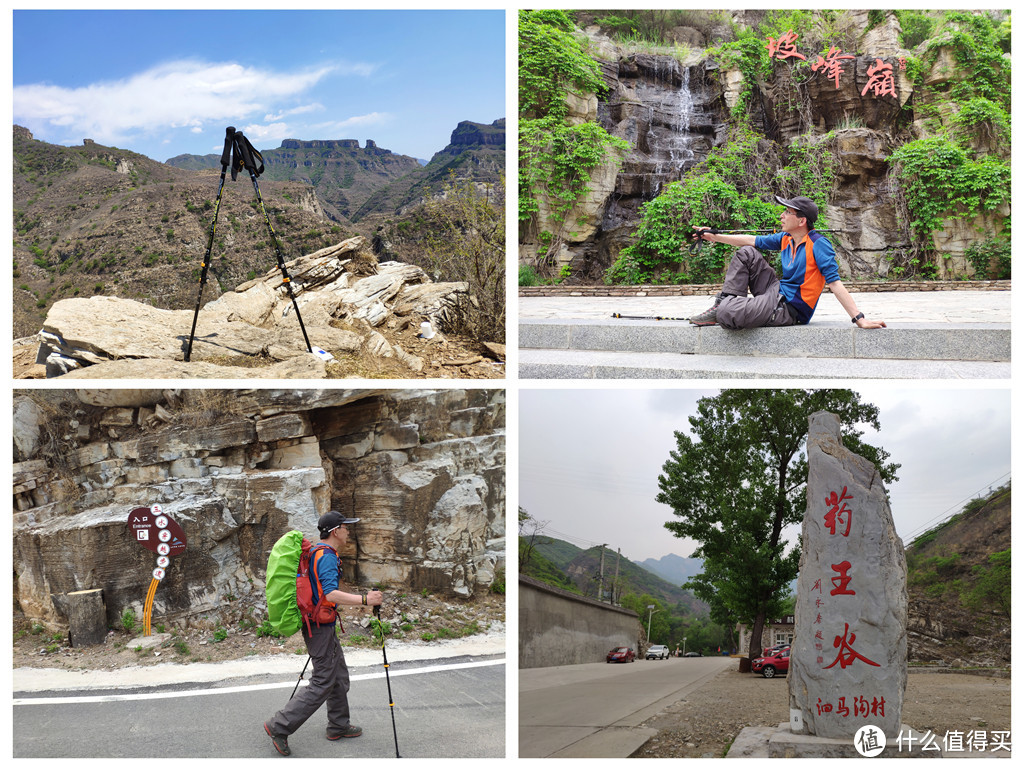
<point>594,710</point>
<point>447,708</point>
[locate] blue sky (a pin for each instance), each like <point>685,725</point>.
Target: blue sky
<point>164,83</point>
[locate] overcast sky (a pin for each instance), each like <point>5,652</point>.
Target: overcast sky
<point>164,83</point>
<point>589,460</point>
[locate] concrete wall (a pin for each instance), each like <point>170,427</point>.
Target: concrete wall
<point>558,627</point>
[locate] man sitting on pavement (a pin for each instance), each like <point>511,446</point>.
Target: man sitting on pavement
<point>808,265</point>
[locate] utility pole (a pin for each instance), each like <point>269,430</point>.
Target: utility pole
<point>615,584</point>
<point>600,589</point>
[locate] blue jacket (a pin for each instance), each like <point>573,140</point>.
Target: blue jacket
<point>806,267</point>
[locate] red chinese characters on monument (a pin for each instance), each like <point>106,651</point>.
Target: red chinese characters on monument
<point>881,81</point>
<point>861,707</point>
<point>784,47</point>
<point>838,514</point>
<point>832,64</point>
<point>847,655</point>
<point>842,581</point>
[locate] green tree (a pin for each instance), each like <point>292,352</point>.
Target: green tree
<point>992,587</point>
<point>739,480</point>
<point>468,245</point>
<point>659,618</point>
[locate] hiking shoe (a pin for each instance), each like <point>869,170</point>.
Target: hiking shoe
<point>707,317</point>
<point>348,732</point>
<point>280,742</point>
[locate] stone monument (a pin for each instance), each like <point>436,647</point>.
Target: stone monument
<point>848,665</point>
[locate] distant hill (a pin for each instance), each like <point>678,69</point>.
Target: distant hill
<point>673,568</point>
<point>959,596</point>
<point>354,181</point>
<point>343,173</point>
<point>476,152</point>
<point>93,219</point>
<point>583,568</point>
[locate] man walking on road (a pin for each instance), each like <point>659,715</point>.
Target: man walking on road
<point>808,265</point>
<point>329,681</point>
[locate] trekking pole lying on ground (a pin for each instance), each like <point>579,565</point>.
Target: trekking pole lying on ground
<point>239,154</point>
<point>391,701</point>
<point>646,317</point>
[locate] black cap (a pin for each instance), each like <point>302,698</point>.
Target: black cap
<point>803,206</point>
<point>332,520</point>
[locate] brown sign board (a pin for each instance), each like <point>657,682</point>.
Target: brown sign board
<point>156,531</point>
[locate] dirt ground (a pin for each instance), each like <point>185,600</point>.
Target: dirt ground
<point>414,618</point>
<point>705,723</point>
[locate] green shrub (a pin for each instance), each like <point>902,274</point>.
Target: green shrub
<point>128,620</point>
<point>990,258</point>
<point>528,275</point>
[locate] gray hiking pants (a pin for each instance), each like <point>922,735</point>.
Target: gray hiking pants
<point>329,682</point>
<point>748,270</point>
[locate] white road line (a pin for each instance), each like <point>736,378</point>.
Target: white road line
<point>243,688</point>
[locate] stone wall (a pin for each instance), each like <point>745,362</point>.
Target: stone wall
<point>423,469</point>
<point>558,627</point>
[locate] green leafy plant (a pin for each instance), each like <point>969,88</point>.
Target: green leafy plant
<point>266,630</point>
<point>128,620</point>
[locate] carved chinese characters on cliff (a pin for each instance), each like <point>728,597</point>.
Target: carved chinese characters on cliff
<point>881,80</point>
<point>848,663</point>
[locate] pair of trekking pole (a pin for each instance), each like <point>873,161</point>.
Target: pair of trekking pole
<point>387,676</point>
<point>238,154</point>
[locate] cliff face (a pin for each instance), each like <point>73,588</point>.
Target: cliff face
<point>424,470</point>
<point>675,108</point>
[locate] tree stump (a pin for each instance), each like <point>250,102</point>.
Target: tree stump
<point>87,617</point>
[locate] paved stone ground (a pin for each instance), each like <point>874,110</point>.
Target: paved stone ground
<point>937,307</point>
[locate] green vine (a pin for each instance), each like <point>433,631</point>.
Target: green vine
<point>556,158</point>
<point>940,181</point>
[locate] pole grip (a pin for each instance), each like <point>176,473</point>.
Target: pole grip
<point>229,138</point>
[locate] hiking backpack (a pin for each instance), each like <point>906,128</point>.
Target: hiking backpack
<point>290,571</point>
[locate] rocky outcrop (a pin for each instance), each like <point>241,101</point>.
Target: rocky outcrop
<point>424,470</point>
<point>343,294</point>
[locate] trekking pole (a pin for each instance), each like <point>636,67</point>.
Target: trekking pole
<point>225,161</point>
<point>248,161</point>
<point>301,675</point>
<point>651,317</point>
<point>698,241</point>
<point>391,701</point>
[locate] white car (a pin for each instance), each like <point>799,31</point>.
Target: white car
<point>657,652</point>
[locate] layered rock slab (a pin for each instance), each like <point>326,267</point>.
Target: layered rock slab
<point>848,664</point>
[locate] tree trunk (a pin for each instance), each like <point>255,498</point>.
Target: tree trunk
<point>87,618</point>
<point>755,636</point>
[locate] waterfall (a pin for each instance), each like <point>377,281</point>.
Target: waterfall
<point>671,145</point>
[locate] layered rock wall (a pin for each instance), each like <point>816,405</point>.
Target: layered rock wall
<point>424,470</point>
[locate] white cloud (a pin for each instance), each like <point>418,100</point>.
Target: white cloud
<point>304,109</point>
<point>373,118</point>
<point>179,94</point>
<point>259,134</point>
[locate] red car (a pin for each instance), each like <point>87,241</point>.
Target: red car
<point>620,654</point>
<point>772,663</point>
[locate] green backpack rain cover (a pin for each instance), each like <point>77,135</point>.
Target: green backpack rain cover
<point>282,568</point>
